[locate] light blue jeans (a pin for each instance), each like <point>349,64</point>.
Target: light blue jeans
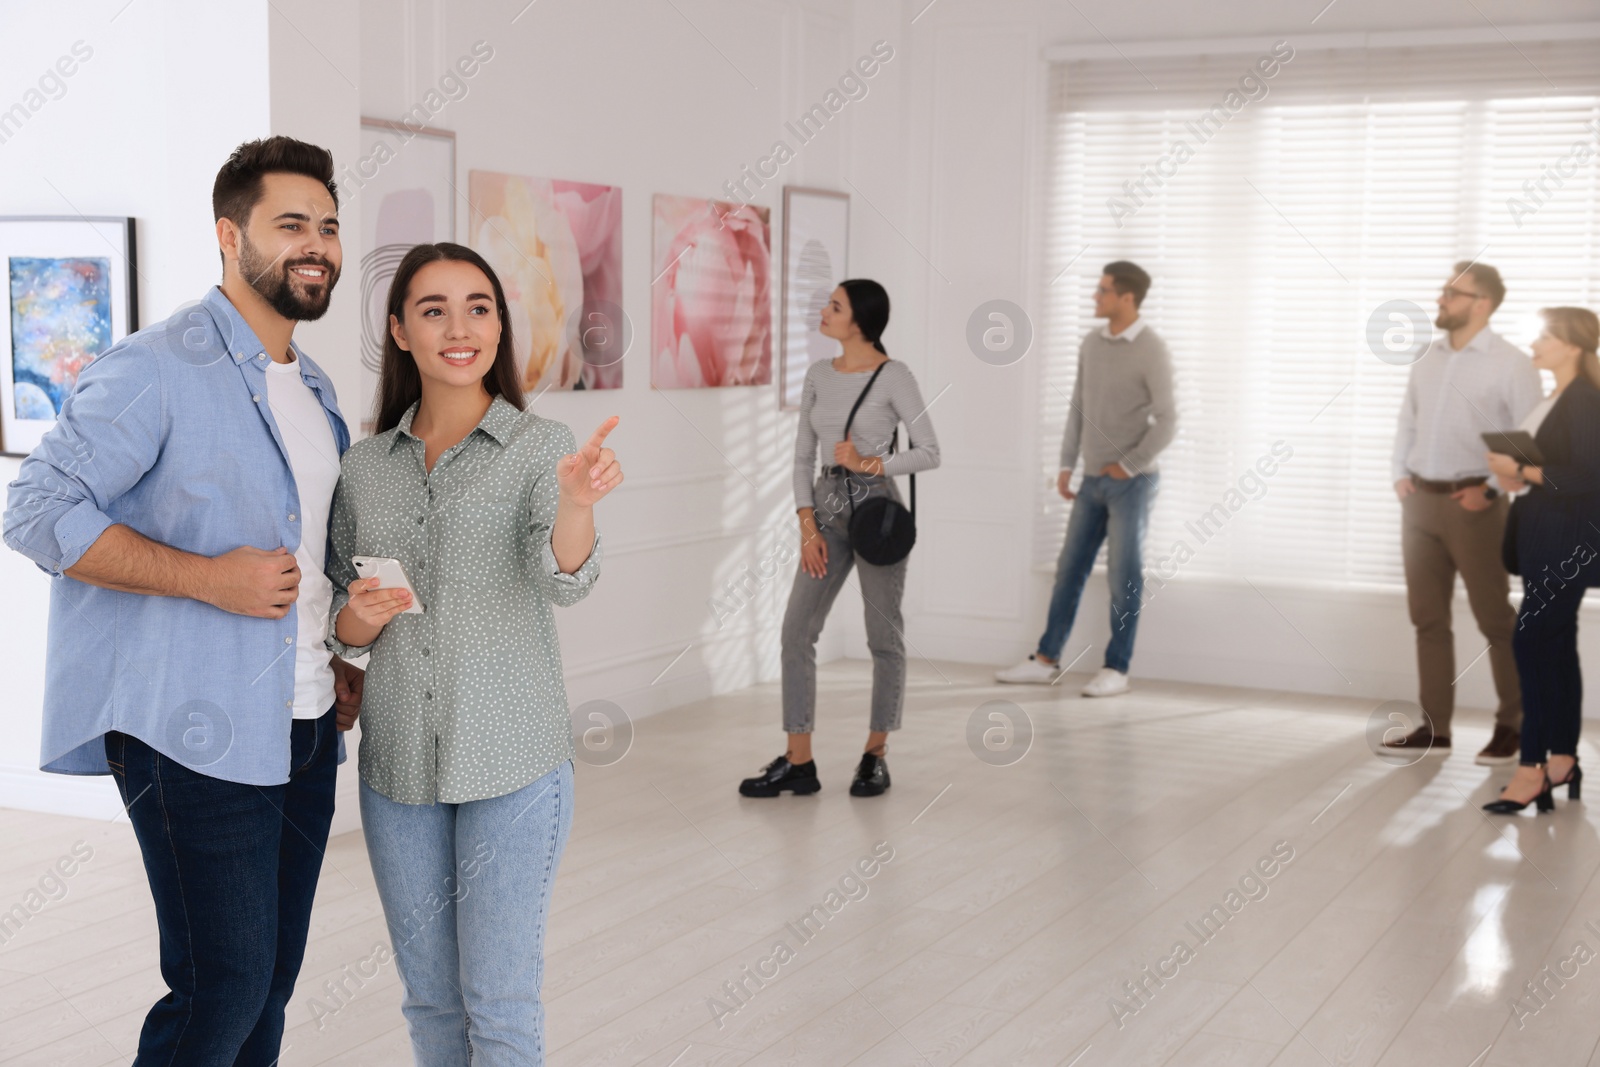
<point>1114,511</point>
<point>465,890</point>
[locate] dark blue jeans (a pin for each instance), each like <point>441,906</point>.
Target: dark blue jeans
<point>232,869</point>
<point>1107,510</point>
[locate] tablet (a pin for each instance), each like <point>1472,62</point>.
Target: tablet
<point>1518,444</point>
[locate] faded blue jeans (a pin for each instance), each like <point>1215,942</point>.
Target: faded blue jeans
<point>465,891</point>
<point>1114,511</point>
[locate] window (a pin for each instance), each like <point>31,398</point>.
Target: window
<point>1353,177</point>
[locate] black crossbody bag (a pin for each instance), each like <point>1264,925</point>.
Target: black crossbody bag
<point>882,530</point>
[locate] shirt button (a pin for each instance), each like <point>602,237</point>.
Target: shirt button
<point>288,704</point>
<point>256,397</point>
<point>288,640</point>
<point>261,355</point>
<point>424,652</point>
<point>292,516</point>
<point>421,519</point>
<point>428,695</point>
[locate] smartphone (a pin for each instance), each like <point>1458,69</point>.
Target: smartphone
<point>390,575</point>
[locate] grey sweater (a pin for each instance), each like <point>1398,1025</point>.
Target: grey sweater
<point>825,402</point>
<point>1122,405</point>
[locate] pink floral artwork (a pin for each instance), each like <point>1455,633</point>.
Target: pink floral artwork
<point>711,301</point>
<point>557,247</point>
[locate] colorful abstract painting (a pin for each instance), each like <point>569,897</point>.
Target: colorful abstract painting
<point>711,301</point>
<point>557,247</point>
<point>60,321</point>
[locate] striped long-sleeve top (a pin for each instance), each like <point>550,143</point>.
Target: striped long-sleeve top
<point>825,403</point>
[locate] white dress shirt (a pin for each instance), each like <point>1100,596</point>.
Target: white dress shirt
<point>1455,396</point>
<point>1131,332</point>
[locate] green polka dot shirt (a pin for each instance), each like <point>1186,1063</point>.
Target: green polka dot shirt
<point>464,701</point>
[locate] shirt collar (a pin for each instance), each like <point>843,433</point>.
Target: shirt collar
<point>1480,341</point>
<point>1135,328</point>
<point>239,339</point>
<point>499,422</point>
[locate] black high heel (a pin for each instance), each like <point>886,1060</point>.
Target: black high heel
<point>1573,781</point>
<point>1544,801</point>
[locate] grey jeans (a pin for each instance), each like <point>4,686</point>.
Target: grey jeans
<point>811,598</point>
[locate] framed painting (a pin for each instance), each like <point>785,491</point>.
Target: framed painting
<point>710,294</point>
<point>816,249</point>
<point>71,293</point>
<point>406,182</point>
<point>557,248</point>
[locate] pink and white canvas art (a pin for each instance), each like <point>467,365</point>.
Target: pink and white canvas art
<point>557,247</point>
<point>711,300</point>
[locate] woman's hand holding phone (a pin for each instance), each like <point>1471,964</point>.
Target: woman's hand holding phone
<point>375,607</point>
<point>369,611</point>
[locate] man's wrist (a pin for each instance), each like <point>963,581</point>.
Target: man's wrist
<point>196,573</point>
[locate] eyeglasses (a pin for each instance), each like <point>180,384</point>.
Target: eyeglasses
<point>1450,292</point>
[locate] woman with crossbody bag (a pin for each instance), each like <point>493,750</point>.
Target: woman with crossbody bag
<point>851,407</point>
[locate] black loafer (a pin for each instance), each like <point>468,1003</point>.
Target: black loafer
<point>872,776</point>
<point>780,774</point>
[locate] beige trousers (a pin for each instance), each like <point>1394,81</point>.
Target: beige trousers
<point>1439,539</point>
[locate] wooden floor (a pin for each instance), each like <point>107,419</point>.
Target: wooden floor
<point>1019,901</point>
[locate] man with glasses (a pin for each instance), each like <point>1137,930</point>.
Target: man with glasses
<point>1470,380</point>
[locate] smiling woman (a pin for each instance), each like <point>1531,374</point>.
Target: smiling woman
<point>466,739</point>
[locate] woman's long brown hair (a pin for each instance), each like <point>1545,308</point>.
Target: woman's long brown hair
<point>399,381</point>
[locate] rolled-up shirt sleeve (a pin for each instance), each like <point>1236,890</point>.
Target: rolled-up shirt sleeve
<point>562,588</point>
<point>340,571</point>
<point>107,437</point>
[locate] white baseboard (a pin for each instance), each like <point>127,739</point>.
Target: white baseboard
<point>86,796</point>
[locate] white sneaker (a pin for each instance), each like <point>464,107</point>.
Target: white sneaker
<point>1108,683</point>
<point>1029,672</point>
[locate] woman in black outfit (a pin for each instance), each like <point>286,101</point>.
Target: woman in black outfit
<point>1553,542</point>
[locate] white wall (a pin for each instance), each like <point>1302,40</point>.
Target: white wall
<point>941,160</point>
<point>169,91</point>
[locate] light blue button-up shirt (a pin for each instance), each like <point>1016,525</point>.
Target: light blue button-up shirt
<point>169,433</point>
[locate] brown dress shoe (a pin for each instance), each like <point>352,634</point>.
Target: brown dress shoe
<point>1503,747</point>
<point>1421,739</point>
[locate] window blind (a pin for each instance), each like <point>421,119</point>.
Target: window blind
<point>1347,179</point>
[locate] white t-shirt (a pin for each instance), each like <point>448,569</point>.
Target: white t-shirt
<point>314,462</point>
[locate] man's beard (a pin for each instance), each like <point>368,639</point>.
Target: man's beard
<point>1447,321</point>
<point>272,281</point>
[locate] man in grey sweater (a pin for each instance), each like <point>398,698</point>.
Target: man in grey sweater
<point>1122,416</point>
